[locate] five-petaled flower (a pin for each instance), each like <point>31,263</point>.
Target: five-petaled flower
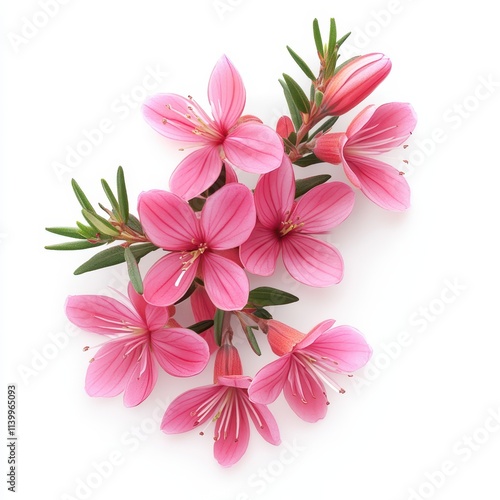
<point>307,362</point>
<point>240,141</point>
<point>196,243</point>
<point>142,337</point>
<point>284,225</point>
<point>374,131</point>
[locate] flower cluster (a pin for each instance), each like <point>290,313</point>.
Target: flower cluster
<point>213,231</point>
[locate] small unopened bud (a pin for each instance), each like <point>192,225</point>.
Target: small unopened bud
<point>227,362</point>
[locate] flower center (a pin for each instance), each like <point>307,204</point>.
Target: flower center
<point>288,226</point>
<point>189,258</point>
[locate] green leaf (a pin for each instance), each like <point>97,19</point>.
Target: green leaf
<point>218,322</point>
<point>100,223</point>
<point>112,199</point>
<point>114,255</point>
<point>302,64</point>
<point>86,231</point>
<point>197,203</point>
<point>332,39</point>
<point>73,245</point>
<point>268,296</point>
<point>262,313</point>
<point>188,294</point>
<point>201,326</point>
<point>252,340</point>
<point>133,270</point>
<point>317,38</point>
<point>80,195</point>
<point>134,224</point>
<point>302,186</point>
<point>294,111</point>
<point>343,39</point>
<point>325,126</point>
<point>298,95</point>
<point>122,194</point>
<point>70,232</point>
<point>307,161</point>
<point>318,98</point>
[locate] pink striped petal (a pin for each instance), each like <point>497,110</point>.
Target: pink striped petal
<point>179,351</point>
<point>165,283</point>
<point>264,422</point>
<point>142,380</point>
<point>181,414</point>
<point>315,333</point>
<point>100,314</point>
<point>197,172</point>
<point>324,207</point>
<point>379,182</point>
<point>156,317</point>
<point>137,300</point>
<point>360,120</point>
<point>305,394</point>
<point>269,381</point>
<point>260,252</point>
<point>174,116</point>
<point>274,195</point>
<point>168,220</point>
<point>226,283</point>
<point>228,217</point>
<point>254,148</point>
<point>285,127</point>
<point>226,94</point>
<point>312,261</point>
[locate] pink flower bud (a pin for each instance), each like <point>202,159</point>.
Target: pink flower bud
<point>354,82</point>
<point>227,362</point>
<point>282,338</point>
<point>284,127</point>
<point>329,147</point>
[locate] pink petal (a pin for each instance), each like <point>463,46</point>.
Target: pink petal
<point>284,127</point>
<point>264,422</point>
<point>345,345</point>
<point>315,333</point>
<point>137,300</point>
<point>329,147</point>
<point>274,195</point>
<point>226,94</point>
<point>312,261</point>
<point>225,282</point>
<point>156,317</point>
<point>228,217</point>
<point>100,314</point>
<point>237,381</point>
<point>230,174</point>
<point>181,414</point>
<point>269,381</point>
<point>168,115</point>
<point>260,252</point>
<point>179,351</point>
<point>168,220</point>
<point>305,394</point>
<point>379,182</point>
<point>324,207</point>
<point>197,172</point>
<point>254,148</point>
<point>142,380</point>
<point>165,283</point>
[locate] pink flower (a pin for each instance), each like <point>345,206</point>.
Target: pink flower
<point>142,336</point>
<point>228,405</point>
<point>374,131</point>
<point>306,363</point>
<point>242,142</point>
<point>354,82</point>
<point>285,226</point>
<point>196,242</point>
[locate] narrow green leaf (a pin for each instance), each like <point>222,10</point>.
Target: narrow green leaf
<point>268,296</point>
<point>70,232</point>
<point>294,112</point>
<point>325,126</point>
<point>302,64</point>
<point>73,245</point>
<point>114,255</point>
<point>307,161</point>
<point>80,195</point>
<point>86,231</point>
<point>201,326</point>
<point>332,39</point>
<point>298,95</point>
<point>262,313</point>
<point>317,38</point>
<point>252,340</point>
<point>302,186</point>
<point>133,271</point>
<point>122,194</point>
<point>218,322</point>
<point>318,98</point>
<point>134,224</point>
<point>100,223</point>
<point>112,199</point>
<point>343,39</point>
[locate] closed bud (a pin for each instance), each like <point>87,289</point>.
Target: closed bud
<point>227,362</point>
<point>282,338</point>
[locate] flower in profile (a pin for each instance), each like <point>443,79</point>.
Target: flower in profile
<point>142,336</point>
<point>355,81</point>
<point>308,362</point>
<point>374,131</point>
<point>226,403</point>
<point>240,141</point>
<point>285,226</point>
<point>197,244</point>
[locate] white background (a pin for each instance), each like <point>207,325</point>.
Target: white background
<point>427,278</point>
